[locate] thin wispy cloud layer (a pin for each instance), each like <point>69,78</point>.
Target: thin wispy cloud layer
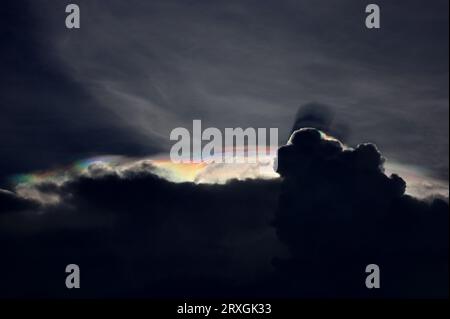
<point>48,118</point>
<point>136,70</point>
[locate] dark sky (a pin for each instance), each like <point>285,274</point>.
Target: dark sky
<point>138,69</point>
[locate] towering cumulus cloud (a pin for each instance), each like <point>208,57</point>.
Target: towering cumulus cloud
<point>340,212</point>
<point>309,233</point>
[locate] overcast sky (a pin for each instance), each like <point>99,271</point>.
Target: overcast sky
<point>137,69</point>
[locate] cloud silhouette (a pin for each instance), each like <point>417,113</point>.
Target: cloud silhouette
<point>339,212</point>
<point>137,235</point>
<point>309,233</point>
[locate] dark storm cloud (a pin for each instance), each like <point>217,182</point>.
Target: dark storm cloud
<point>136,234</point>
<point>139,235</point>
<point>339,212</point>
